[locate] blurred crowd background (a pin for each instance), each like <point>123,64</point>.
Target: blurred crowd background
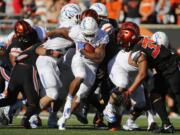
<point>45,12</point>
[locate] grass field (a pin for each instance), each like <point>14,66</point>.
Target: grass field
<point>74,127</point>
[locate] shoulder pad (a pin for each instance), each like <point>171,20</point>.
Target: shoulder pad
<point>135,55</point>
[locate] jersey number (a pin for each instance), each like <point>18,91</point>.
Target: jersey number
<point>150,44</point>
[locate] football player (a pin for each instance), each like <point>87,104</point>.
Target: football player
<point>110,27</point>
<point>159,58</point>
<point>84,64</point>
<point>23,76</point>
<point>124,70</point>
<point>47,66</point>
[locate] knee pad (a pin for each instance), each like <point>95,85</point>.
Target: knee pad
<point>52,93</point>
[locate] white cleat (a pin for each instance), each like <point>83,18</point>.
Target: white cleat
<point>130,126</point>
<point>109,115</point>
<point>61,123</point>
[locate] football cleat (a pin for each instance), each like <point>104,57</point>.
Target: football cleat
<point>81,114</point>
<point>130,126</point>
<point>61,123</point>
<point>167,128</point>
<point>109,115</point>
<point>52,120</point>
<point>153,127</point>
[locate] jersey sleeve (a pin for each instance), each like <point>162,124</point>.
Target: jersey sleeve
<point>74,32</point>
<point>41,32</point>
<point>135,55</point>
<point>103,37</point>
<point>136,52</point>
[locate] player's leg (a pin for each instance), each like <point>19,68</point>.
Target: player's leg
<point>2,83</point>
<point>120,79</point>
<point>152,125</point>
<point>12,89</point>
<point>49,76</point>
<point>85,71</point>
<point>158,103</point>
<point>53,110</point>
<point>85,86</point>
<point>174,81</point>
<point>93,99</point>
<point>78,69</point>
<point>31,92</point>
<point>138,106</point>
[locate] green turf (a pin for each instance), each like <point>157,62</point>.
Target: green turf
<point>76,128</point>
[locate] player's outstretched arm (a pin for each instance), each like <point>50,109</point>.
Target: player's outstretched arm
<point>59,32</point>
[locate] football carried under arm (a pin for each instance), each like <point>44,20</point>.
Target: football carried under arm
<point>95,54</point>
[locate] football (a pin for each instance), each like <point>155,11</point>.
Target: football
<point>89,48</point>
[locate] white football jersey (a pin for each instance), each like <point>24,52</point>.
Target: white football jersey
<point>120,71</point>
<point>58,42</point>
<point>75,34</point>
<point>122,60</point>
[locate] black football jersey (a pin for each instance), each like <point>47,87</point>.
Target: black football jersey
<point>19,44</point>
<point>158,56</point>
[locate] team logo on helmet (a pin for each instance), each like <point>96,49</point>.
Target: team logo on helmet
<point>160,38</point>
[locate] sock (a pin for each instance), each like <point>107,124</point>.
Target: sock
<point>160,108</point>
<point>67,107</point>
<point>56,105</point>
<point>130,121</point>
<point>95,102</point>
<point>109,105</point>
<point>70,98</point>
<point>150,117</point>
